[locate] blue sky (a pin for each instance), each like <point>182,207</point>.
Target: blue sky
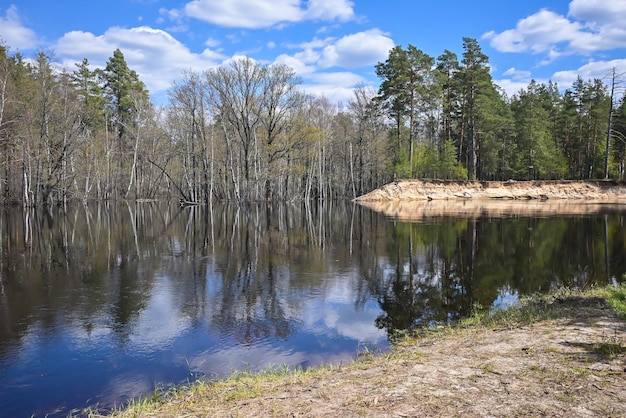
<point>333,45</point>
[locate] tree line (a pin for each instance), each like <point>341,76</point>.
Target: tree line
<point>246,131</point>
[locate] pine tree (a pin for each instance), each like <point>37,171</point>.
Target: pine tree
<point>90,93</point>
<point>124,94</point>
<point>476,82</point>
<point>408,90</point>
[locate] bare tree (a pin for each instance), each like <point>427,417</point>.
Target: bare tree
<point>237,96</point>
<point>370,139</point>
<point>253,105</point>
<point>616,79</point>
<point>280,96</point>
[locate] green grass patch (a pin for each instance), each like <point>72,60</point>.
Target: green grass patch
<point>545,307</point>
<point>610,346</point>
<point>615,297</point>
<point>532,309</point>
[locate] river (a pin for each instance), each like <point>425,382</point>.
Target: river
<point>103,303</point>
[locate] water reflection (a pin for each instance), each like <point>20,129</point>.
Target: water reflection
<point>442,266</point>
<point>102,303</point>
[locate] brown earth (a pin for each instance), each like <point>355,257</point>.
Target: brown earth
<point>572,364</point>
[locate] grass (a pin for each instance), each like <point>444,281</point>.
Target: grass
<point>532,309</point>
<point>541,307</point>
<point>241,385</point>
<point>615,297</point>
<point>610,347</point>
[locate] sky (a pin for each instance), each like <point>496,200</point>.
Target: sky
<point>332,45</point>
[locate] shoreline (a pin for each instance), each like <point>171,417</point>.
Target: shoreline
<point>557,355</point>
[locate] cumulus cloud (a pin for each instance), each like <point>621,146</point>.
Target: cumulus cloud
<point>536,33</point>
<point>590,26</point>
<point>13,33</point>
<point>255,14</point>
<point>513,86</point>
<point>599,13</point>
<point>315,60</point>
<point>351,51</point>
<point>357,50</point>
<point>338,86</point>
<point>330,10</point>
<point>157,56</point>
<point>605,21</point>
<point>297,62</point>
<point>589,71</point>
<point>338,78</point>
<point>518,74</point>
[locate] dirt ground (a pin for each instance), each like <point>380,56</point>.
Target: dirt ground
<point>572,365</point>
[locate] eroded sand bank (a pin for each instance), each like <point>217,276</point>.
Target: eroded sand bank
<point>498,190</point>
<point>419,199</point>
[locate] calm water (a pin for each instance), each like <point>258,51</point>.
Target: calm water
<point>101,304</point>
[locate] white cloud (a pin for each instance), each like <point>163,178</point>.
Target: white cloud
<point>362,49</point>
<point>599,13</point>
<point>336,87</point>
<point>591,25</point>
<point>297,63</point>
<point>172,14</point>
<point>315,43</point>
<point>157,57</point>
<point>330,10</point>
<point>536,33</point>
<point>518,74</point>
<point>250,14</point>
<point>605,20</point>
<point>354,51</point>
<point>80,44</point>
<point>592,70</point>
<point>344,79</point>
<point>212,43</point>
<point>13,33</point>
<point>255,14</point>
<point>513,86</point>
<point>357,50</point>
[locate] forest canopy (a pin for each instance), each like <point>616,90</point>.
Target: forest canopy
<point>248,131</point>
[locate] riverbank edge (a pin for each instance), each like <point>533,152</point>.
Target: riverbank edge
<point>561,354</point>
<point>433,189</point>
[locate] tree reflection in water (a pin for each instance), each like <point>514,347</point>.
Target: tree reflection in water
<point>156,291</point>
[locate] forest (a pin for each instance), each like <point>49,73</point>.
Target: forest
<point>245,131</point>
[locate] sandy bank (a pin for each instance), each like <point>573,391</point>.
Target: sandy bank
<point>600,191</point>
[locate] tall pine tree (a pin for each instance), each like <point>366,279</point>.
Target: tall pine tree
<point>123,92</point>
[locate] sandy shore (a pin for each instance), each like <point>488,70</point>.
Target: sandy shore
<point>497,190</point>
